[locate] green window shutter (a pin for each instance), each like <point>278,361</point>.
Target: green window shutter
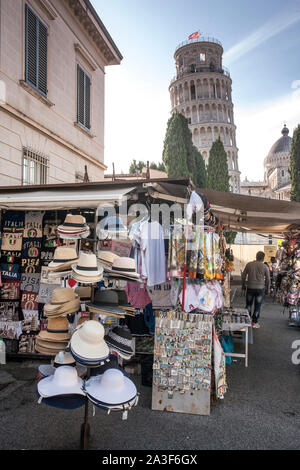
<point>83,98</point>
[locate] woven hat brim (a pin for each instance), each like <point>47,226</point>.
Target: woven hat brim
<point>48,388</point>
<point>69,307</point>
<point>120,346</point>
<point>86,280</point>
<point>129,276</point>
<point>46,351</point>
<point>52,345</point>
<point>98,271</point>
<point>57,267</point>
<point>105,308</point>
<point>53,337</point>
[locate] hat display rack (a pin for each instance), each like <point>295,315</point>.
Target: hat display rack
<point>85,268</point>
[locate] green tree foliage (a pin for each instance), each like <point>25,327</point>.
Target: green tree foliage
<point>136,167</point>
<point>180,156</point>
<point>157,166</point>
<point>295,166</point>
<point>217,168</point>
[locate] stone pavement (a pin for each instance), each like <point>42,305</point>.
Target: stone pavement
<point>261,409</point>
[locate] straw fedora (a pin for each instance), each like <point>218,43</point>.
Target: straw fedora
<point>63,258</point>
<point>57,330</point>
<point>73,223</point>
<point>63,301</point>
<point>64,381</point>
<point>46,351</point>
<point>88,267</point>
<point>57,346</point>
<point>105,301</point>
<point>111,388</point>
<point>107,258</point>
<point>88,341</point>
<point>124,267</point>
<point>120,339</point>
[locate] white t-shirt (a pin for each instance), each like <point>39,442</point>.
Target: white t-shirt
<point>153,253</point>
<point>164,295</point>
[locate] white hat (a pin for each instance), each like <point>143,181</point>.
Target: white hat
<point>88,266</point>
<point>63,258</point>
<point>64,381</point>
<point>111,388</point>
<point>124,267</point>
<point>88,341</point>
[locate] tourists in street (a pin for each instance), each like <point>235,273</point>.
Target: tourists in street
<point>256,276</point>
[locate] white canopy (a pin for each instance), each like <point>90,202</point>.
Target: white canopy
<point>59,199</point>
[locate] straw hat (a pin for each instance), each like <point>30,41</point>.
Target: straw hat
<point>63,358</point>
<point>105,301</point>
<point>88,267</point>
<point>120,339</point>
<point>64,381</point>
<point>73,223</point>
<point>56,346</point>
<point>107,258</point>
<point>63,301</point>
<point>88,341</point>
<point>63,258</point>
<point>46,351</point>
<point>111,388</point>
<point>124,267</point>
<point>57,330</point>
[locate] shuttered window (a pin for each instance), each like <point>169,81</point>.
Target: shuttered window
<point>36,49</point>
<point>83,98</point>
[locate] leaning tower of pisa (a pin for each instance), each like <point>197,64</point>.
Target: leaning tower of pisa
<point>201,91</point>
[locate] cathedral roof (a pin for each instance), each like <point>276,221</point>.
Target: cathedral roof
<point>281,148</point>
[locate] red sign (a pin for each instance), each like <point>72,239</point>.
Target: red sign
<point>194,35</point>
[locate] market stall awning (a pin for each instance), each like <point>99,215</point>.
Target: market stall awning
<point>253,214</point>
<point>56,199</point>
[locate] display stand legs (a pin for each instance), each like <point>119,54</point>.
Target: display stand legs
<point>85,429</point>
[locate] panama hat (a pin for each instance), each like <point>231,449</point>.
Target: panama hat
<point>87,362</point>
<point>57,346</point>
<point>57,330</point>
<point>46,351</point>
<point>105,301</point>
<point>107,258</point>
<point>88,341</point>
<point>64,381</point>
<point>124,267</point>
<point>88,267</point>
<point>120,339</point>
<point>73,223</point>
<point>111,388</point>
<point>63,258</point>
<point>63,301</point>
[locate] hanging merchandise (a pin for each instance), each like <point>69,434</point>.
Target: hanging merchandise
<point>88,270</point>
<point>55,338</point>
<point>63,259</point>
<point>106,259</point>
<point>219,368</point>
<point>74,227</point>
<point>106,303</point>
<point>137,294</point>
<point>63,301</point>
<point>12,230</point>
<point>153,253</point>
<point>124,268</point>
<point>87,344</point>
<point>164,295</point>
<point>120,340</point>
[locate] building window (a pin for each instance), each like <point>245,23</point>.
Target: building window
<point>79,177</point>
<point>35,167</point>
<point>282,172</point>
<point>202,57</point>
<point>83,98</point>
<point>36,51</point>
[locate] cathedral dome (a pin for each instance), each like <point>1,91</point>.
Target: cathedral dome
<point>279,154</point>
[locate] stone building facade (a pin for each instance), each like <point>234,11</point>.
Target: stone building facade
<point>53,55</point>
<point>202,92</point>
<point>276,184</point>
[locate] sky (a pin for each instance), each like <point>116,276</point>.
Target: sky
<point>261,44</point>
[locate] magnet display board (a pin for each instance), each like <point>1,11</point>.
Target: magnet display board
<point>182,362</point>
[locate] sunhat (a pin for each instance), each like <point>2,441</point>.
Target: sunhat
<point>124,267</point>
<point>57,330</point>
<point>107,258</point>
<point>63,258</point>
<point>63,301</point>
<point>63,358</point>
<point>111,388</point>
<point>73,223</point>
<point>105,301</point>
<point>64,402</point>
<point>88,341</point>
<point>64,381</point>
<point>120,339</point>
<point>88,266</point>
<point>83,292</point>
<point>86,279</point>
<point>46,351</point>
<point>53,346</point>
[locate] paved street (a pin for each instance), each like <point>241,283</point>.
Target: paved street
<point>261,409</point>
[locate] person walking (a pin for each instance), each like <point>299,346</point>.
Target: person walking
<point>256,276</point>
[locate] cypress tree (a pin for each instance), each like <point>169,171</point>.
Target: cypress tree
<point>217,168</point>
<point>180,156</point>
<point>295,165</point>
